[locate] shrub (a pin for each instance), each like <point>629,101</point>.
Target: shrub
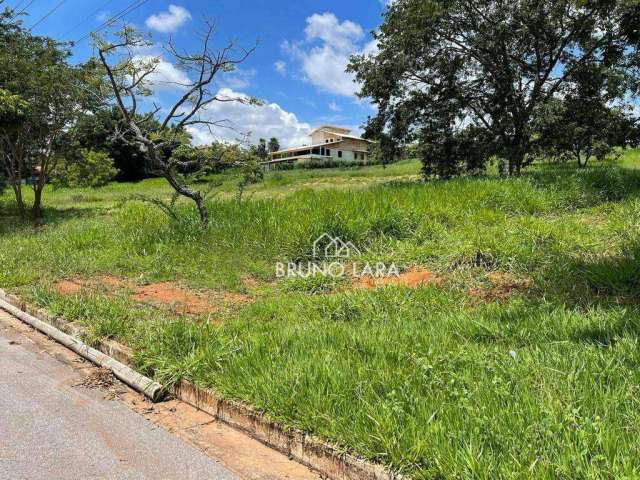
<point>332,163</point>
<point>87,168</point>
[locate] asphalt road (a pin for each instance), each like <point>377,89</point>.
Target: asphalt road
<point>50,428</point>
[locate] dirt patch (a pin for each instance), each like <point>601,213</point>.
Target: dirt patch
<point>101,378</point>
<point>68,287</point>
<point>164,294</point>
<point>235,298</point>
<point>503,285</point>
<point>168,294</point>
<point>250,282</point>
<point>108,283</point>
<point>115,282</point>
<point>412,278</point>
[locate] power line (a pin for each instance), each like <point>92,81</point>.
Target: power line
<point>87,18</point>
<point>23,10</point>
<point>48,14</point>
<point>17,5</point>
<point>132,7</point>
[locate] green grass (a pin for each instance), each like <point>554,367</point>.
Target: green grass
<point>543,382</point>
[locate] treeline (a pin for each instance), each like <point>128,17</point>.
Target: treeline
<point>86,124</point>
<point>469,82</point>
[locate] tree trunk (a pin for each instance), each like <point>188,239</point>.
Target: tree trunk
<point>515,165</point>
<point>202,210</point>
<point>586,156</point>
<point>36,209</point>
<point>17,190</point>
<point>193,195</point>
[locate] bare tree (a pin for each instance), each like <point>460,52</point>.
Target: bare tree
<point>132,76</point>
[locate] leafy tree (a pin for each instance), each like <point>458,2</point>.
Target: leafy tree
<point>131,79</point>
<point>105,130</point>
<point>385,150</point>
<point>274,145</point>
<point>250,172</point>
<point>84,168</point>
<point>490,65</point>
<point>583,124</point>
<point>262,152</point>
<point>42,96</point>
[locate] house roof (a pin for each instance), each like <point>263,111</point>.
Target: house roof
<point>352,137</point>
<point>332,129</point>
<point>306,147</point>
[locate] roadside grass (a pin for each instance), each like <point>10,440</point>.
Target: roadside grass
<point>540,381</point>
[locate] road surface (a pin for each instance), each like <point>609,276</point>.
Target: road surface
<point>51,427</point>
<point>58,421</point>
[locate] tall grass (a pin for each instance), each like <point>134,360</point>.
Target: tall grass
<point>435,382</point>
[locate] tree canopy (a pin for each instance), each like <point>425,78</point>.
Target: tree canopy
<point>274,145</point>
<point>467,78</point>
<point>41,96</point>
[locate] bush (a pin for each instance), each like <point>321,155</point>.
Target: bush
<point>332,163</point>
<point>88,168</point>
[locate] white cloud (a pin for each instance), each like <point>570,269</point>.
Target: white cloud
<point>333,106</point>
<point>327,28</point>
<point>237,79</point>
<point>281,67</point>
<point>166,76</point>
<point>325,54</point>
<point>263,121</point>
<point>170,21</point>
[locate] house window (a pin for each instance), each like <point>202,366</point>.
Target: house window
<point>326,141</point>
<point>328,152</point>
<point>339,154</point>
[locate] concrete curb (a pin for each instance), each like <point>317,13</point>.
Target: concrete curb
<point>151,389</point>
<point>322,457</point>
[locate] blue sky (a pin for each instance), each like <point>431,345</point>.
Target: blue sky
<point>297,68</point>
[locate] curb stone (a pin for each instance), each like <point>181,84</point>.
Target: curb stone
<point>323,457</point>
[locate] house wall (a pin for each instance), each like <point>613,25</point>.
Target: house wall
<point>322,137</point>
<point>348,147</point>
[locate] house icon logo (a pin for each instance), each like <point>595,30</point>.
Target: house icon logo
<point>328,246</point>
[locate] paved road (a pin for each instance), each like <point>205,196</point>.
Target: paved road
<point>51,429</point>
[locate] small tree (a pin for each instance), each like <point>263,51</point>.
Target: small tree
<point>41,97</point>
<point>84,168</point>
<point>583,124</point>
<point>274,145</point>
<point>131,79</point>
<point>261,151</point>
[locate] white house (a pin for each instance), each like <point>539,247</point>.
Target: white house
<point>327,142</point>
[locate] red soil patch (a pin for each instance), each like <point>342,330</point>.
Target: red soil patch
<point>412,278</point>
<point>110,283</point>
<point>115,282</point>
<point>503,285</point>
<point>167,293</point>
<point>68,287</point>
<point>235,298</point>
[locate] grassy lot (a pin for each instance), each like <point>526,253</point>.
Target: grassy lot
<point>520,361</point>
